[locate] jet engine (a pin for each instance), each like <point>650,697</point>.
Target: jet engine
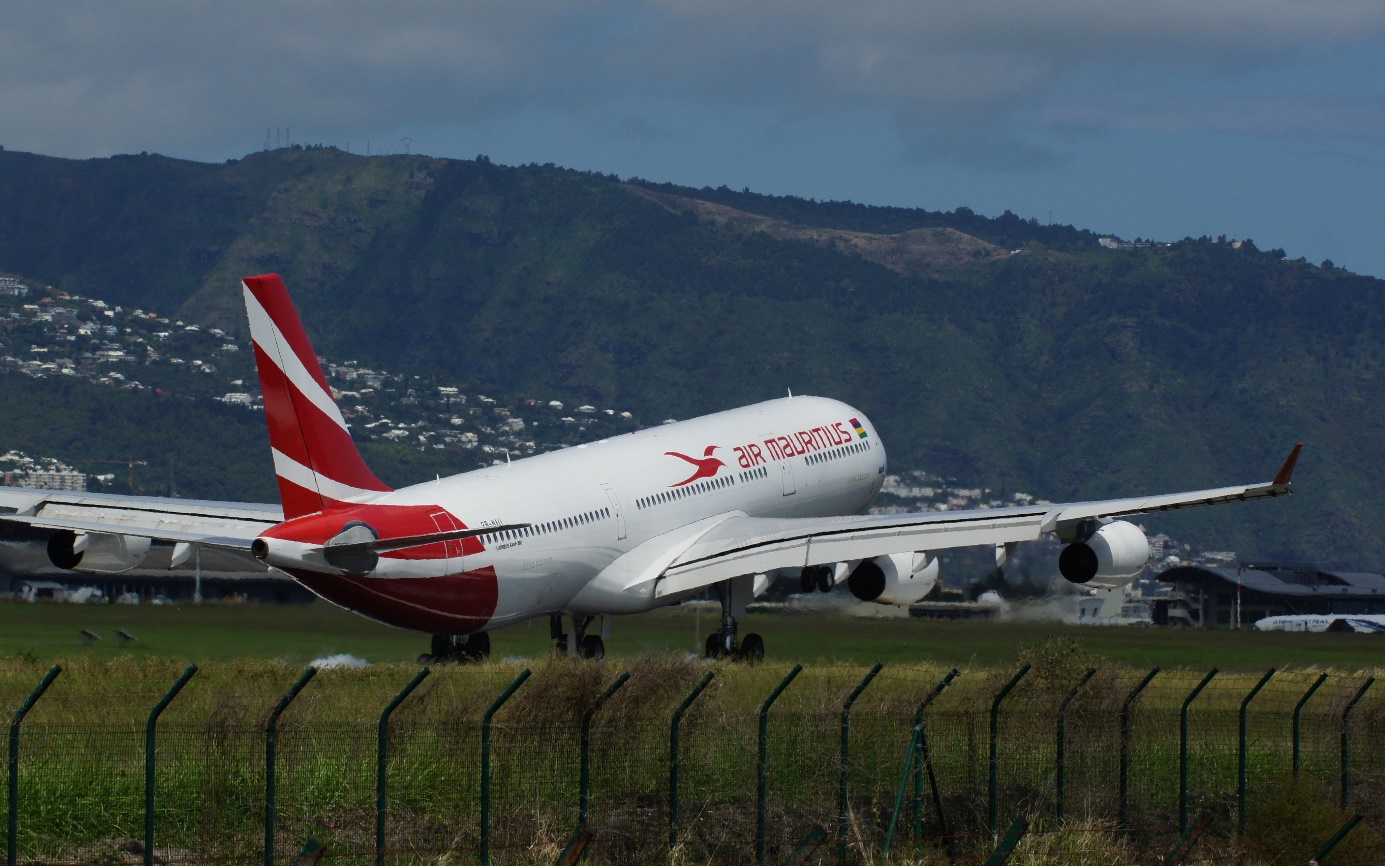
<point>97,552</point>
<point>899,578</point>
<point>1115,551</point>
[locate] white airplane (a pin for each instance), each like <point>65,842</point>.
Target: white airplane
<point>620,526</point>
<point>1368,623</point>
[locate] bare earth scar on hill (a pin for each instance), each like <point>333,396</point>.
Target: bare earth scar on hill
<point>917,252</point>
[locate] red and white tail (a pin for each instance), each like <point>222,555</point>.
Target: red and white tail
<point>317,463</point>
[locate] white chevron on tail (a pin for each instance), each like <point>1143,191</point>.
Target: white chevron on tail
<point>315,459</point>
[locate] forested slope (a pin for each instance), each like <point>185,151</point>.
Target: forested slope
<point>1064,370</point>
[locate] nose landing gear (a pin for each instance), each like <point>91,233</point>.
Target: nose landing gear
<point>455,649</point>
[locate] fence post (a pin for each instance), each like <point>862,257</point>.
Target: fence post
<point>584,784</point>
<point>995,744</point>
<point>914,760</point>
<point>1007,845</point>
<point>673,758</point>
<point>803,853</point>
<point>1125,745</point>
<point>1241,756</point>
<point>925,763</point>
<point>1346,718</point>
<point>486,763</point>
<point>1063,739</point>
<point>271,740</point>
<point>1188,840</point>
<point>149,729</point>
<point>762,764</point>
<point>1298,709</point>
<point>13,850</point>
<point>382,764</point>
<point>1336,838</point>
<point>910,756</point>
<point>843,801</point>
<point>1183,751</point>
<point>576,848</point>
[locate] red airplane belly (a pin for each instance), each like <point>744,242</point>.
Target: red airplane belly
<point>453,604</point>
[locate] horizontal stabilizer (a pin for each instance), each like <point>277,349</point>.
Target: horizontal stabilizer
<point>381,545</point>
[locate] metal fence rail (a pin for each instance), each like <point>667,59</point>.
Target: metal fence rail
<point>736,767</point>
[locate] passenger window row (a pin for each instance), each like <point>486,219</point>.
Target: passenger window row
<point>835,453</point>
<point>676,493</point>
<point>572,522</point>
<point>751,475</point>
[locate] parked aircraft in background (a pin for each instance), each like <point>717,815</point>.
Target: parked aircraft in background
<point>1364,623</point>
<point>619,526</point>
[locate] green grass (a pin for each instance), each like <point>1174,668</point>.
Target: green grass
<point>299,633</point>
<point>82,753</point>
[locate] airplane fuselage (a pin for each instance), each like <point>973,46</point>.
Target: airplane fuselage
<point>586,507</point>
<point>619,526</point>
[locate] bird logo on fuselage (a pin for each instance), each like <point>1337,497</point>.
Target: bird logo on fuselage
<point>706,467</point>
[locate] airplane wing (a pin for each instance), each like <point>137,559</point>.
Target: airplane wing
<point>749,545</point>
<point>216,524</point>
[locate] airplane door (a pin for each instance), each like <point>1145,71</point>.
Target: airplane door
<point>786,470</point>
<point>452,561</point>
<point>616,512</point>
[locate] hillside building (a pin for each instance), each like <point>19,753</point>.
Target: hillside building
<point>67,479</point>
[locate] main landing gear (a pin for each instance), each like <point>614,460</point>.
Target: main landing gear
<point>576,642</point>
<point>819,577</point>
<point>722,643</point>
<point>454,648</point>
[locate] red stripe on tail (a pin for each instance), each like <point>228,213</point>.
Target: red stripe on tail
<point>273,295</point>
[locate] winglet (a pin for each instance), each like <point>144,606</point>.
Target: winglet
<point>1282,479</point>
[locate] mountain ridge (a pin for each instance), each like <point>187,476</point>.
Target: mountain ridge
<point>1067,370</point>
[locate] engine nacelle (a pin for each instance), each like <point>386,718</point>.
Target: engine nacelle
<point>96,552</point>
<point>899,578</point>
<point>1116,551</point>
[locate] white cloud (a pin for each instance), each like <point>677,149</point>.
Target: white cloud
<point>103,77</point>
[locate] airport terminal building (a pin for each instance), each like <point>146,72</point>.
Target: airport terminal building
<point>1222,597</point>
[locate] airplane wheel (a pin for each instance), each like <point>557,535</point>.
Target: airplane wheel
<point>752,648</point>
<point>478,647</point>
<point>806,581</point>
<point>592,647</point>
<point>441,646</point>
<point>826,580</point>
<point>713,646</point>
<point>424,659</point>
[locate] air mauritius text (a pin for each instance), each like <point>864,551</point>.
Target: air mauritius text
<point>795,444</point>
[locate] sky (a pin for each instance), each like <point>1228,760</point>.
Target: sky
<point>1249,118</point>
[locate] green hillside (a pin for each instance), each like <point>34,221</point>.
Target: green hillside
<point>999,352</point>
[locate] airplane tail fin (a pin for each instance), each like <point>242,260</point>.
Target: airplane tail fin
<point>316,461</point>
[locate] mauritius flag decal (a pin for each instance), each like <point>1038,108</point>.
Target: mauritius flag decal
<point>860,431</point>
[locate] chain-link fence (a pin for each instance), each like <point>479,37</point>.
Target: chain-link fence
<point>901,764</point>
